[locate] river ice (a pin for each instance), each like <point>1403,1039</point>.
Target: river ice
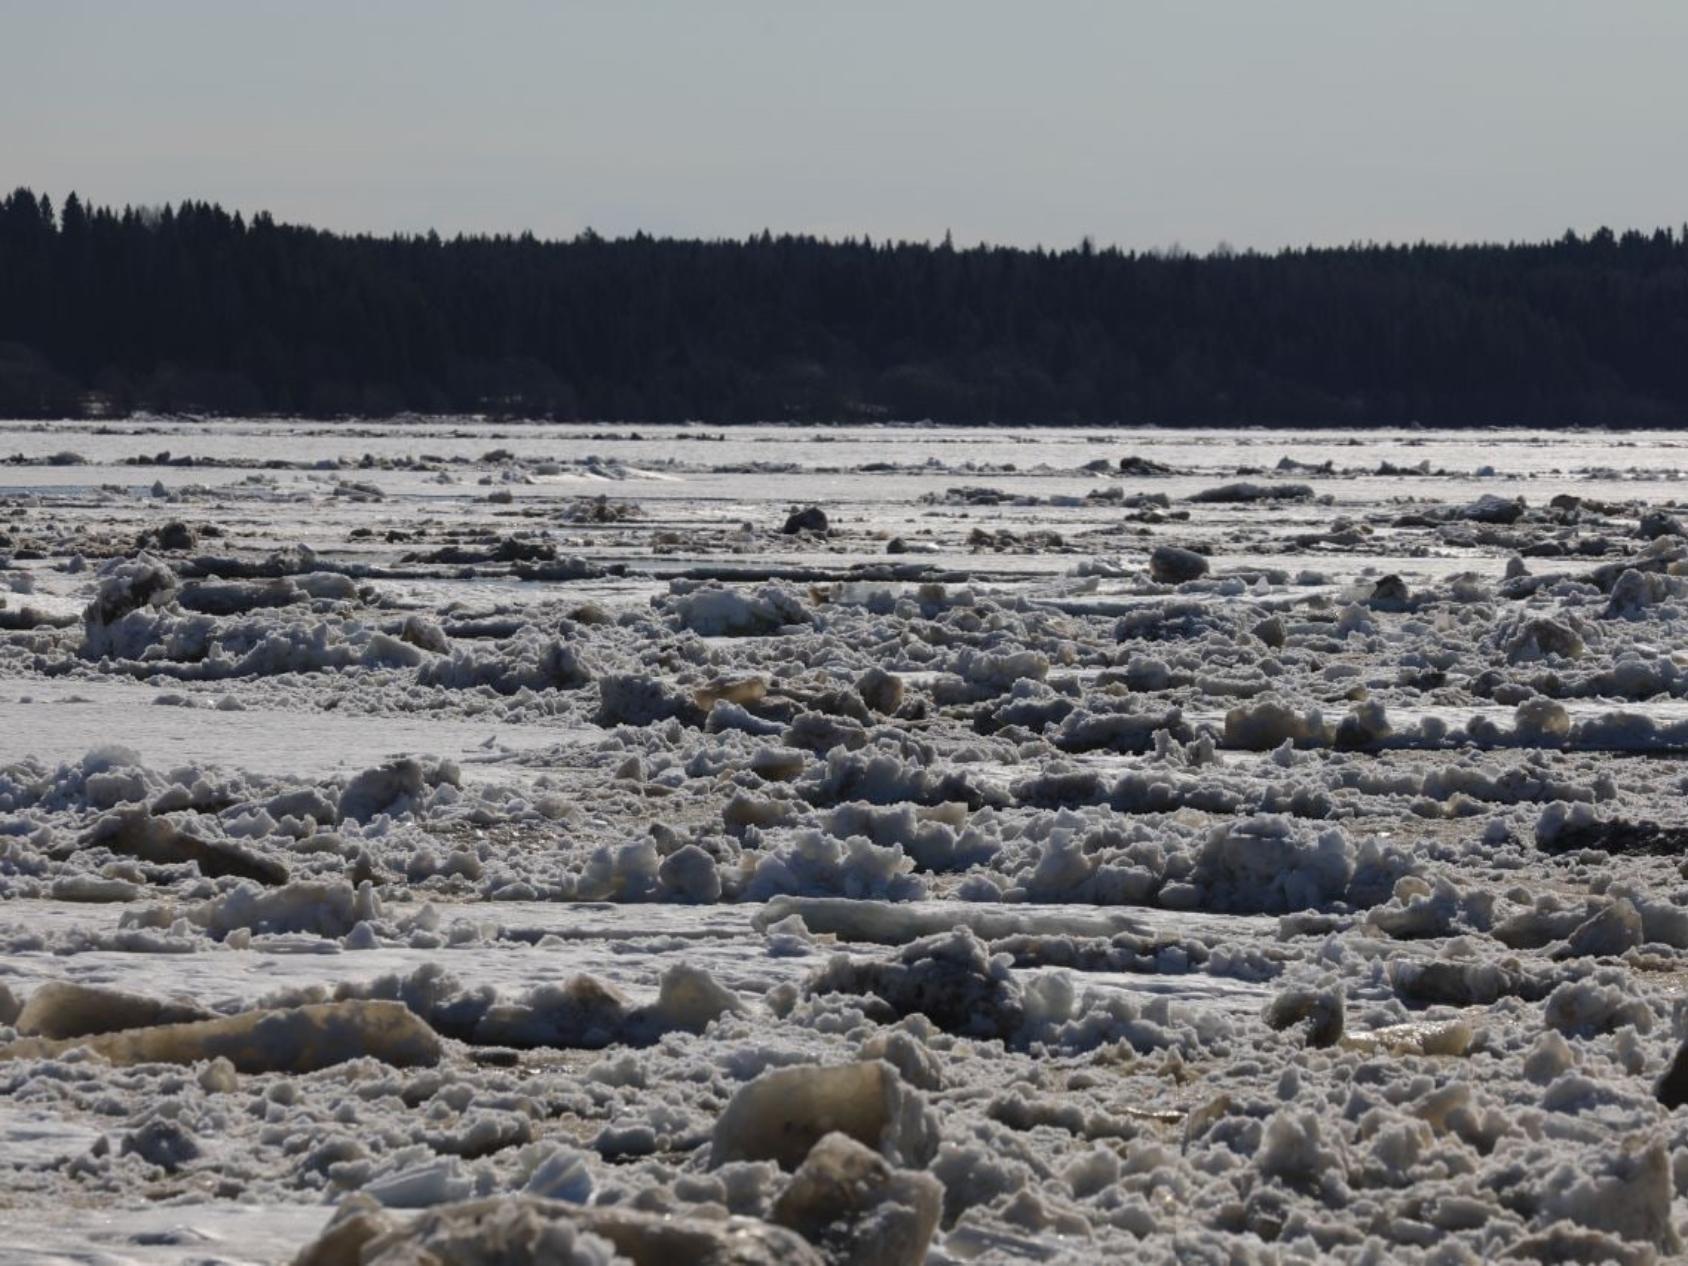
<point>1311,890</point>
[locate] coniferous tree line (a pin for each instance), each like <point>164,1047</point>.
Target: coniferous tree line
<point>189,308</point>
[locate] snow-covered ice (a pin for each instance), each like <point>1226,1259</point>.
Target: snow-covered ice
<point>1066,845</point>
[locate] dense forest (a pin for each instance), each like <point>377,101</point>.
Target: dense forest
<point>191,309</point>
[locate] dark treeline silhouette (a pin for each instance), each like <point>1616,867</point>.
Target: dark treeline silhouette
<point>189,308</point>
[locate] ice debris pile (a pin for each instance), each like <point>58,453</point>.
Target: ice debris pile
<point>1184,860</point>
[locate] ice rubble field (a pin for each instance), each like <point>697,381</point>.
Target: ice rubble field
<point>473,842</point>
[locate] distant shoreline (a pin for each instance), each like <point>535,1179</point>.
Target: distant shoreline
<point>630,429</point>
<point>192,310</point>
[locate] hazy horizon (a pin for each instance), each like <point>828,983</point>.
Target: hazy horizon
<point>1139,125</point>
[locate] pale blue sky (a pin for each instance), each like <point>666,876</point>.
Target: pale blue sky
<point>1255,122</point>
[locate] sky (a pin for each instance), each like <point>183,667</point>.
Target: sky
<point>1141,123</point>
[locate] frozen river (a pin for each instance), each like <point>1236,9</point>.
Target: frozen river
<point>1238,846</point>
